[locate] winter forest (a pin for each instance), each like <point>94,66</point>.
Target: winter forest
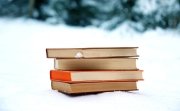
<point>109,14</point>
<point>28,27</point>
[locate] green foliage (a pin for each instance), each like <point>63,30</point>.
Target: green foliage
<point>13,8</point>
<point>73,12</point>
<point>165,16</point>
<point>108,14</point>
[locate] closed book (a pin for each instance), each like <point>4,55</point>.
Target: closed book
<point>94,52</point>
<point>76,88</point>
<point>96,64</point>
<point>94,76</point>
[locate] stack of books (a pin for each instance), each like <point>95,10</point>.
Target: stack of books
<point>87,70</point>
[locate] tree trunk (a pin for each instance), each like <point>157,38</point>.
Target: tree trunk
<point>31,7</point>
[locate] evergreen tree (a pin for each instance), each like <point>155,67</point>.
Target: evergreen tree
<point>13,8</point>
<point>142,14</point>
<point>37,9</point>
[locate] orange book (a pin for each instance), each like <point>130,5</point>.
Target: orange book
<point>95,76</point>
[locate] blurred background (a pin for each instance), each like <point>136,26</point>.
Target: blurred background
<point>107,14</point>
<point>28,27</point>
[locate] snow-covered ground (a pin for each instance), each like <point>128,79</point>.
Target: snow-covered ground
<point>24,68</point>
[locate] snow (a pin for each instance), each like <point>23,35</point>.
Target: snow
<point>24,68</point>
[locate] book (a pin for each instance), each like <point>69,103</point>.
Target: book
<point>96,52</point>
<point>96,64</point>
<point>94,76</point>
<point>75,88</point>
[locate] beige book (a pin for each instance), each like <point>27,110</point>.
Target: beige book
<point>95,52</point>
<point>73,88</point>
<point>91,76</point>
<point>96,64</point>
